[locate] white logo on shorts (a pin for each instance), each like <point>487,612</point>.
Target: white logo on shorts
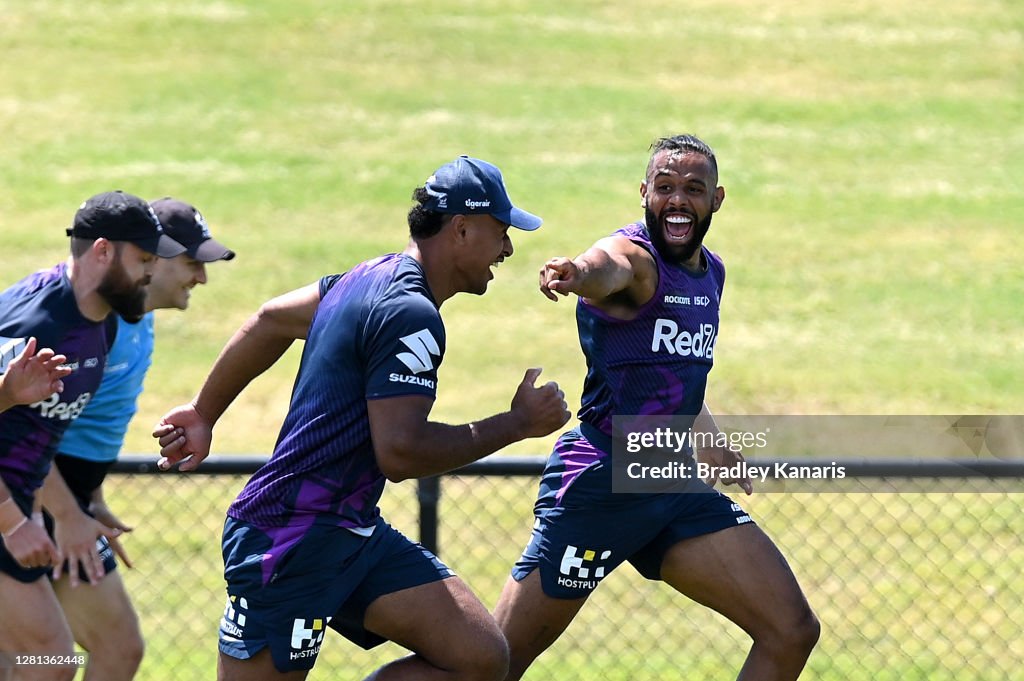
<point>307,635</point>
<point>581,570</point>
<point>571,561</point>
<point>233,621</point>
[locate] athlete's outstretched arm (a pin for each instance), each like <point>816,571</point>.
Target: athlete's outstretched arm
<point>409,445</point>
<point>614,267</point>
<point>187,431</point>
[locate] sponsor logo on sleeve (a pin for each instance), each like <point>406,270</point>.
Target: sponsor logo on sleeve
<point>419,359</point>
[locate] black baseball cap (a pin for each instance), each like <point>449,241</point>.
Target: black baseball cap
<point>119,216</point>
<point>186,225</point>
<point>470,186</point>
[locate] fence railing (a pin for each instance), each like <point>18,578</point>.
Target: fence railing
<point>920,584</point>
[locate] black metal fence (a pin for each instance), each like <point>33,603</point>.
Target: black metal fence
<point>923,583</point>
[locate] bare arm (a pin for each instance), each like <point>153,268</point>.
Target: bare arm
<point>26,541</point>
<point>187,431</point>
<point>409,445</point>
<point>75,532</point>
<point>719,456</point>
<point>613,273</point>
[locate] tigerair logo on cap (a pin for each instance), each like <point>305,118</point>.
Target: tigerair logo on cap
<point>473,205</point>
<point>152,214</point>
<point>201,221</point>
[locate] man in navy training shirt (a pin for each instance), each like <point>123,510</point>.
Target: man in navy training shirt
<point>70,308</point>
<point>305,547</point>
<point>647,314</point>
<point>102,619</point>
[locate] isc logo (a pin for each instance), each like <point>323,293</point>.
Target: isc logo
<point>669,338</point>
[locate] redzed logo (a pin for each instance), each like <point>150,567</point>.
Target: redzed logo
<point>669,338</point>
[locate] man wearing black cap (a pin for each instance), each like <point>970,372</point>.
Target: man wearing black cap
<point>115,241</point>
<point>305,547</point>
<point>102,619</point>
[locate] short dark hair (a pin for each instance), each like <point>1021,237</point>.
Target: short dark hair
<point>424,223</point>
<point>80,246</point>
<point>683,143</point>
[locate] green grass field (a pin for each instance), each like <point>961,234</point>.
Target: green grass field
<point>872,152</point>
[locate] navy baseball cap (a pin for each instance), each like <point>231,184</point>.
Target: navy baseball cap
<point>119,216</point>
<point>186,225</point>
<point>469,186</point>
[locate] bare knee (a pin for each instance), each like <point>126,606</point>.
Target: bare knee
<point>808,630</point>
<point>119,650</point>
<point>795,633</point>
<point>489,661</point>
<point>520,659</point>
<point>126,652</point>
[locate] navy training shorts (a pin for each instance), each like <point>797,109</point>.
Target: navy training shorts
<point>582,531</point>
<point>327,579</point>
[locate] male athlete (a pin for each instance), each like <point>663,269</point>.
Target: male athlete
<point>305,547</point>
<point>635,288</point>
<point>70,308</point>
<point>102,618</point>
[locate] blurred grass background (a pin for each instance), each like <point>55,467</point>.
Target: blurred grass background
<point>872,155</point>
<point>872,152</point>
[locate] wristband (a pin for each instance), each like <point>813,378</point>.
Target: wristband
<point>7,534</point>
<point>11,517</point>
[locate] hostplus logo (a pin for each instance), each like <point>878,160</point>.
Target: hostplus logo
<point>581,569</point>
<point>233,621</point>
<point>668,337</point>
<point>307,635</point>
<point>422,349</point>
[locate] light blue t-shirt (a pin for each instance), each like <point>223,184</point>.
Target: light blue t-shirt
<point>97,435</point>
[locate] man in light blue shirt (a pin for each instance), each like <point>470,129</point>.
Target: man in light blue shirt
<point>102,618</point>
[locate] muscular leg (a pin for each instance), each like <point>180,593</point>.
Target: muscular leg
<point>741,574</point>
<point>33,623</point>
<point>452,635</point>
<point>531,620</point>
<point>104,623</point>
